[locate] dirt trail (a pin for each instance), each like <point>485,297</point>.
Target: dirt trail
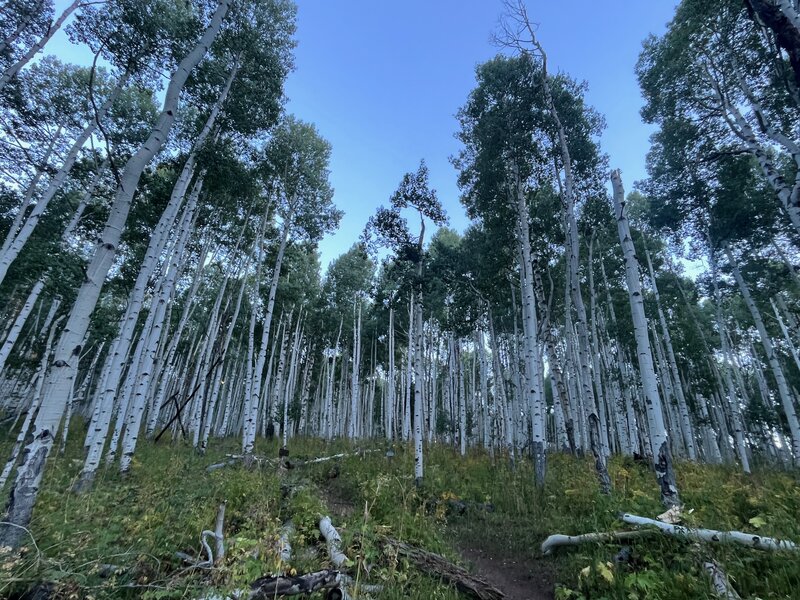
<point>519,578</point>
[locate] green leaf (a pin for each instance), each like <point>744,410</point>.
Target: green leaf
<point>757,522</point>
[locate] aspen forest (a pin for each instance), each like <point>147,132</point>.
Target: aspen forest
<point>557,380</point>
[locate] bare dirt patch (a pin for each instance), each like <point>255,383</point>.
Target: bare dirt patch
<point>519,578</point>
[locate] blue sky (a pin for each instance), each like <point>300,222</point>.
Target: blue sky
<point>382,80</point>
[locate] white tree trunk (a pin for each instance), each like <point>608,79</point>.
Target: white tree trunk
<point>12,247</point>
<point>777,371</point>
<point>658,432</point>
<point>534,395</point>
<point>59,378</point>
<point>19,322</point>
<point>12,70</point>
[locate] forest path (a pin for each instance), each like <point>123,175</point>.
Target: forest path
<point>517,575</point>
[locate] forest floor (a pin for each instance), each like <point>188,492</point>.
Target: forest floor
<point>485,552</point>
<point>518,578</point>
<point>120,539</point>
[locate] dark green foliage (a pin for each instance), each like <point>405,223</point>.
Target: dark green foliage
<point>137,523</point>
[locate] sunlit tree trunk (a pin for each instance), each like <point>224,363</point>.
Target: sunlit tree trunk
<point>62,372</point>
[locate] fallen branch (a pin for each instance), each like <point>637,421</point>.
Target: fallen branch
<point>711,535</point>
<point>438,566</point>
<point>221,465</point>
<point>313,461</point>
<point>284,542</point>
<point>283,460</point>
<point>557,540</point>
<point>719,582</point>
<point>268,588</point>
<point>328,531</point>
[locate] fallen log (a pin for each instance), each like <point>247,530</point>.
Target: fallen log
<point>558,540</point>
<point>328,531</point>
<point>282,460</point>
<point>313,461</point>
<point>284,541</point>
<point>438,566</point>
<point>221,465</point>
<point>713,536</point>
<point>719,582</point>
<point>268,588</point>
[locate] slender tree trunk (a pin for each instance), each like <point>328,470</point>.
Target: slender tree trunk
<point>12,70</point>
<point>12,247</point>
<point>673,365</point>
<point>533,393</point>
<point>34,406</point>
<point>658,432</point>
<point>777,371</point>
<point>59,378</point>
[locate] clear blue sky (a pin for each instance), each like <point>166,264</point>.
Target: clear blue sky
<point>382,80</point>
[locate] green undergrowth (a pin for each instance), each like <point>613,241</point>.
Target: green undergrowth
<point>119,540</point>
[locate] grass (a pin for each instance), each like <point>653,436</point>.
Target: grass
<point>137,523</point>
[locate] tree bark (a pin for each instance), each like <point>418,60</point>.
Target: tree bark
<point>64,367</point>
<point>658,432</point>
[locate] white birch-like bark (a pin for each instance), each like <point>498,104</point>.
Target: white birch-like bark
<point>533,393</point>
<point>777,371</point>
<point>733,399</point>
<point>59,378</point>
<point>279,384</point>
<point>13,246</point>
<point>786,336</point>
<point>19,322</point>
<point>408,373</point>
<point>334,542</point>
<point>305,396</point>
<point>218,380</point>
<point>250,425</point>
<point>788,196</point>
<point>150,339</point>
<point>34,406</point>
<point>120,348</point>
<point>462,404</point>
<point>168,366</point>
<point>673,365</point>
<point>658,432</point>
<point>712,536</point>
<point>15,68</point>
<point>289,392</point>
<point>419,383</point>
<point>390,384</point>
<point>354,430</point>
